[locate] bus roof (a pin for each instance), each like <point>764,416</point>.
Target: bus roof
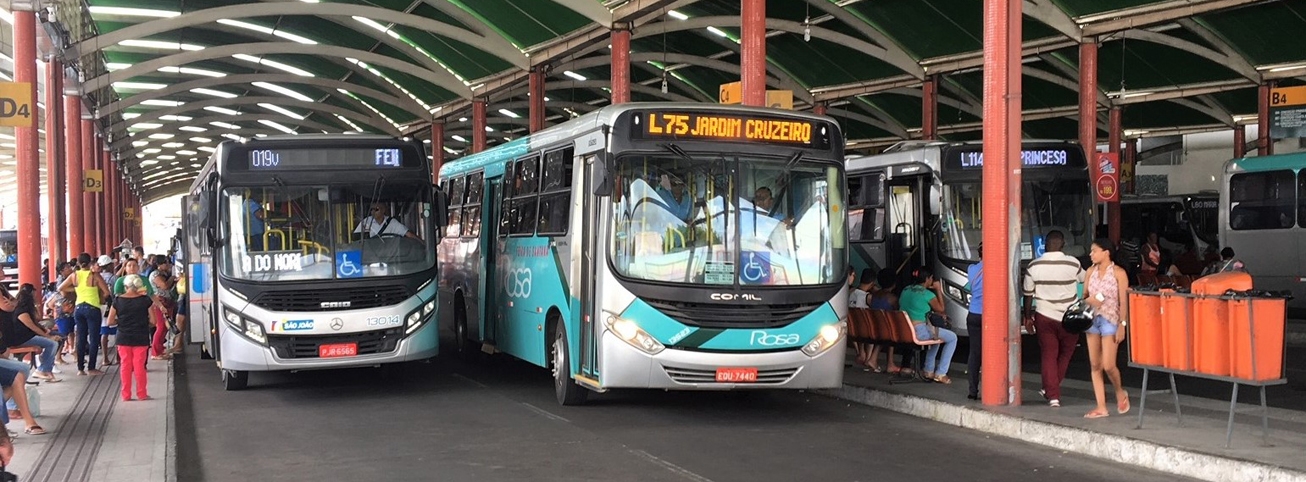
<point>604,116</point>
<point>1275,162</point>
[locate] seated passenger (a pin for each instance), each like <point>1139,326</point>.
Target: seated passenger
<point>921,300</point>
<point>884,298</point>
<point>380,223</point>
<point>860,298</point>
<point>678,202</point>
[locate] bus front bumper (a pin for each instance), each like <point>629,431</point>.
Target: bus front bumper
<point>242,354</point>
<point>624,366</point>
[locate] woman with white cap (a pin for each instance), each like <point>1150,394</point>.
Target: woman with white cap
<point>109,272</point>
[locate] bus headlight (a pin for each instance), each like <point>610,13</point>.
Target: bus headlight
<point>829,336</point>
<point>254,331</point>
<point>233,319</point>
<point>418,317</point>
<point>631,333</point>
<point>251,329</point>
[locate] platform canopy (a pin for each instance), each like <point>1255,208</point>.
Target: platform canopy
<point>168,79</point>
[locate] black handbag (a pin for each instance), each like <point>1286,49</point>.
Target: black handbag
<point>938,320</point>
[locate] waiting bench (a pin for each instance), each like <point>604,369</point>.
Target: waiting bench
<point>889,327</point>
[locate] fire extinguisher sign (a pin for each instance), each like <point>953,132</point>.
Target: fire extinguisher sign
<point>16,108</point>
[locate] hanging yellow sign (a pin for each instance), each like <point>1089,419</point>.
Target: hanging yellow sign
<point>129,213</point>
<point>93,180</point>
<point>16,104</point>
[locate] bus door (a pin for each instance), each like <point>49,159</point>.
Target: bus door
<point>866,211</point>
<point>590,262</point>
<point>489,290</point>
<point>907,206</point>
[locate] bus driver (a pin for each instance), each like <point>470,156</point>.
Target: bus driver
<point>380,223</point>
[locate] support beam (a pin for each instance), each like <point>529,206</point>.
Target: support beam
<point>330,85</point>
<point>26,152</point>
<point>1113,146</point>
<point>753,45</point>
<point>1129,163</point>
<point>894,53</point>
<point>370,118</point>
<point>1239,141</point>
<point>930,108</point>
<point>1053,16</point>
<point>478,125</point>
<point>56,190</point>
<point>1235,63</point>
<point>1001,211</point>
<point>1143,95</point>
<point>439,78</point>
<point>1153,14</point>
<point>491,44</point>
<point>536,99</point>
<point>88,198</point>
<point>72,121</point>
<point>1264,143</point>
<point>620,64</point>
<point>1088,105</point>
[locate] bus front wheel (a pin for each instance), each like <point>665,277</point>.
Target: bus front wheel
<point>233,380</point>
<point>564,387</point>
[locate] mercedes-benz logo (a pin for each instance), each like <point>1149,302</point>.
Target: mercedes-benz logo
<point>337,324</point>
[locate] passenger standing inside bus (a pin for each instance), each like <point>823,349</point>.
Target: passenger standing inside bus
<point>89,288</point>
<point>131,313</point>
<point>920,301</point>
<point>1105,292</point>
<point>678,202</point>
<point>1051,286</point>
<point>975,324</point>
<point>256,225</point>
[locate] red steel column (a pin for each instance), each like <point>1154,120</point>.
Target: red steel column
<point>437,150</point>
<point>112,216</point>
<point>54,181</point>
<point>99,197</point>
<point>930,108</point>
<point>88,198</point>
<point>753,52</point>
<point>1131,161</point>
<point>1001,220</point>
<point>1264,144</point>
<point>478,125</point>
<point>1239,141</point>
<point>1088,105</point>
<point>536,114</point>
<point>72,121</point>
<point>26,151</point>
<point>1113,207</point>
<point>620,64</point>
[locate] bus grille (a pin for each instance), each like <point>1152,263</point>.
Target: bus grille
<point>696,376</point>
<point>305,346</point>
<point>736,316</point>
<point>329,299</point>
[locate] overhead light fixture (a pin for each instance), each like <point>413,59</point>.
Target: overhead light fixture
<point>274,64</point>
<point>146,125</point>
<point>138,86</point>
<point>162,136</point>
<point>282,110</point>
<point>717,32</point>
<point>159,45</point>
<point>215,93</point>
<point>458,138</point>
<point>112,66</point>
<point>269,31</point>
<point>283,91</point>
<point>163,103</point>
<point>277,126</point>
<point>128,115</point>
<point>132,12</point>
<point>192,71</point>
<point>153,150</point>
<point>167,158</point>
<point>206,149</point>
<point>509,113</point>
<point>173,145</point>
<point>225,125</point>
<point>201,140</point>
<point>574,75</point>
<point>192,128</point>
<point>186,152</point>
<point>677,15</point>
<point>222,110</point>
<point>177,118</point>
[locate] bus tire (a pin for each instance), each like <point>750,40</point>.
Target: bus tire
<point>233,380</point>
<point>462,345</point>
<point>204,352</point>
<point>564,387</point>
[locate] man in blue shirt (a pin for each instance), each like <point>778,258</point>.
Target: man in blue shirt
<point>678,203</point>
<point>974,323</point>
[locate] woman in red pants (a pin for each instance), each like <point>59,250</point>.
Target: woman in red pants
<point>132,315</point>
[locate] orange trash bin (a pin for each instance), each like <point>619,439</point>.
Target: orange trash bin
<point>1257,348</point>
<point>1145,328</point>
<point>1176,331</point>
<point>1211,336</point>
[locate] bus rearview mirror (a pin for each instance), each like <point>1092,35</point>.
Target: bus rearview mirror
<point>598,164</point>
<point>441,208</point>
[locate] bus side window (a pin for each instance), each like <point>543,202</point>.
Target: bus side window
<point>555,196</point>
<point>521,210</point>
<point>471,216</point>
<point>455,204</point>
<point>1262,200</point>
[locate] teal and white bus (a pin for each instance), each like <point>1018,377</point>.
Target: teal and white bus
<point>655,245</point>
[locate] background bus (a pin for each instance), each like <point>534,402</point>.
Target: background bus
<point>1181,221</point>
<point>281,275</point>
<point>673,246</point>
<point>9,259</point>
<point>919,204</point>
<point>1262,219</point>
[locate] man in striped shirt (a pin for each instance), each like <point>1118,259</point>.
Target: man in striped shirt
<point>1051,285</point>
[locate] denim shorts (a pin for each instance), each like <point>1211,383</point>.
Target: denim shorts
<point>1102,327</point>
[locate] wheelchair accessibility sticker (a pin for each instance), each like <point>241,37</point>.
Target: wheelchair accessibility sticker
<point>754,267</point>
<point>349,264</point>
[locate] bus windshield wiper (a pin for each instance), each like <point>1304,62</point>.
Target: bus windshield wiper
<point>675,149</point>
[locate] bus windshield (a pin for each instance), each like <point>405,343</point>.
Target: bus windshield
<point>300,233</point>
<point>722,220</point>
<point>1063,205</point>
<point>1202,216</point>
<point>9,247</point>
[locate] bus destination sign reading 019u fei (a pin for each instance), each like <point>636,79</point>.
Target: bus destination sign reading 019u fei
<point>307,159</point>
<point>730,127</point>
